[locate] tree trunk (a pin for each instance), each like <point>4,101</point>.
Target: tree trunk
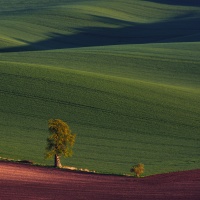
<point>57,162</point>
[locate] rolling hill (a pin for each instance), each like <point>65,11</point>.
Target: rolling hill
<point>125,76</point>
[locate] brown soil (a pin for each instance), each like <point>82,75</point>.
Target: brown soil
<point>22,181</point>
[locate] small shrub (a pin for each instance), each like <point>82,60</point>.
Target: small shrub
<point>138,169</point>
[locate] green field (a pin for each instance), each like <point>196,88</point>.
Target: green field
<point>125,76</point>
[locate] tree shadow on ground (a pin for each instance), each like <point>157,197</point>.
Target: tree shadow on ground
<point>183,28</point>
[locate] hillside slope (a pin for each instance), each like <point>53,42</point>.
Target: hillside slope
<point>124,75</point>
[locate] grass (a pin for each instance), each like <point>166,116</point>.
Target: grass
<point>129,102</point>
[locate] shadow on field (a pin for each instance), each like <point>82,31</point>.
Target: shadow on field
<point>184,28</point>
<point>178,2</point>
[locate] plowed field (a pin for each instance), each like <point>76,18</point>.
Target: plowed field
<point>20,181</point>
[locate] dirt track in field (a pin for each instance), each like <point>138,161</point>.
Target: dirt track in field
<point>20,181</point>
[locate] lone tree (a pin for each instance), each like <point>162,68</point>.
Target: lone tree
<point>138,169</point>
<point>60,141</point>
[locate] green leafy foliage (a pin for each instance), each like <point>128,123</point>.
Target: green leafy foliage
<point>61,140</point>
<point>125,74</point>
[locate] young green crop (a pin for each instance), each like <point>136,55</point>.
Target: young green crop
<point>125,75</point>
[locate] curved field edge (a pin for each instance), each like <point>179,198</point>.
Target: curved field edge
<point>118,121</point>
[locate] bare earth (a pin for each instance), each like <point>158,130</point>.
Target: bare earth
<point>20,181</point>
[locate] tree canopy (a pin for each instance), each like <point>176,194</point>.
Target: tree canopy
<point>60,141</point>
<point>138,169</point>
